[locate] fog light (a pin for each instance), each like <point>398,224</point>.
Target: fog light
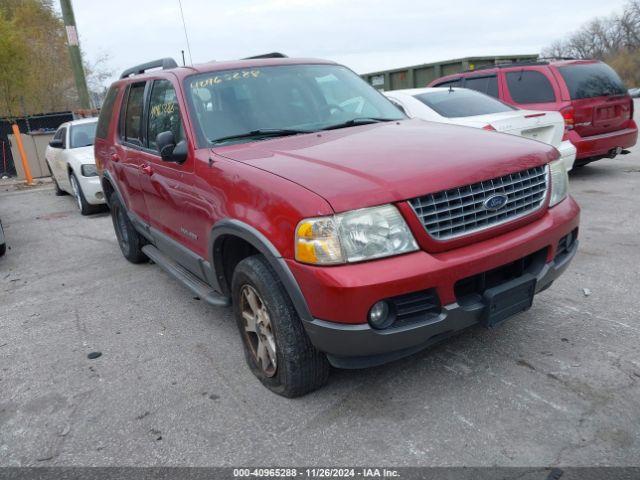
<point>379,315</point>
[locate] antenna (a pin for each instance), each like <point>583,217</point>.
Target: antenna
<point>184,64</point>
<point>184,25</point>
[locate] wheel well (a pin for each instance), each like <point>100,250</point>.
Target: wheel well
<point>107,189</point>
<point>228,251</point>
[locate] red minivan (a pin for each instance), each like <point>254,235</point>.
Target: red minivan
<point>594,102</point>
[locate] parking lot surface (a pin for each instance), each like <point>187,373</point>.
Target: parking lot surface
<point>557,385</point>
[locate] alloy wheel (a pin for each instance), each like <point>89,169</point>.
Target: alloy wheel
<point>258,330</point>
<point>76,191</point>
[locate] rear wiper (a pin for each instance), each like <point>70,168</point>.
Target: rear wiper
<point>262,132</point>
<point>357,121</point>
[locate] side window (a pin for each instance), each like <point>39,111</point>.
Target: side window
<point>106,112</point>
<point>486,84</point>
<point>450,83</point>
<point>492,87</point>
<point>61,134</point>
<point>529,86</point>
<point>132,128</point>
<point>164,114</point>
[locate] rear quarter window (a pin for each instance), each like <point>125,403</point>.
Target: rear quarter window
<point>590,80</point>
<point>106,112</point>
<point>530,86</point>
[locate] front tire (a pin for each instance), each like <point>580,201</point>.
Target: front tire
<point>85,207</point>
<point>130,241</point>
<point>276,345</point>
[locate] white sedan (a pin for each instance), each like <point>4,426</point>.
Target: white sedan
<point>73,166</point>
<point>462,106</point>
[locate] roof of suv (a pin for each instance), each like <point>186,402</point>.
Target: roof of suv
<point>214,66</point>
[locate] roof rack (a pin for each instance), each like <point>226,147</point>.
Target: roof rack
<point>507,64</point>
<point>267,55</point>
<point>164,63</point>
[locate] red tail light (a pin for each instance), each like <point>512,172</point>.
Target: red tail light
<point>488,127</point>
<point>569,119</point>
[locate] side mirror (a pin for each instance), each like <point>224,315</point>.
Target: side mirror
<point>169,150</point>
<point>55,143</point>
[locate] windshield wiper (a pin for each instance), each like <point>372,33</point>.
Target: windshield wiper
<point>262,132</point>
<point>358,121</point>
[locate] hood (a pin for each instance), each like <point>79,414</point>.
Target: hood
<point>389,162</point>
<point>83,154</point>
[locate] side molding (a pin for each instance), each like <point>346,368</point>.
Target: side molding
<point>266,248</point>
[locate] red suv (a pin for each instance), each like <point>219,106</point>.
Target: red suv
<point>597,109</point>
<point>341,231</point>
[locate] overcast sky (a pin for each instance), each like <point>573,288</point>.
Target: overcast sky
<point>366,35</point>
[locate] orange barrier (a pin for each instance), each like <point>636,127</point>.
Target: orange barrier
<point>23,155</point>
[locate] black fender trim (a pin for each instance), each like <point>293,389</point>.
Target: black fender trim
<point>265,247</point>
<point>106,176</point>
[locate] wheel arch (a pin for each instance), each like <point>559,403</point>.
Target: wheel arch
<point>232,240</point>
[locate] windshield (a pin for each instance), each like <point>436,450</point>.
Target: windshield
<point>590,80</point>
<point>291,98</point>
<point>83,134</point>
<point>462,103</point>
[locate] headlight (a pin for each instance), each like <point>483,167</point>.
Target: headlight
<point>353,236</point>
<point>559,182</point>
<point>89,170</point>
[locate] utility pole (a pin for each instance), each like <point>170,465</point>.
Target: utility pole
<point>74,54</point>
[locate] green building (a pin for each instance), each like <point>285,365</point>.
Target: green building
<point>421,75</point>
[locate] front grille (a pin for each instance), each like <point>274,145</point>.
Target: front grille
<point>460,211</point>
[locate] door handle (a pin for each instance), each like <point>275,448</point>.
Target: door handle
<point>115,157</point>
<point>146,169</point>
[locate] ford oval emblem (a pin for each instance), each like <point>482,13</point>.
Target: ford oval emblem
<point>495,202</point>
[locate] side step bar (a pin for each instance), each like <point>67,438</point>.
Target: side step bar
<point>184,276</point>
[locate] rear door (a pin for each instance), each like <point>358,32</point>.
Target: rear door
<point>127,159</point>
<point>600,100</point>
<point>532,88</point>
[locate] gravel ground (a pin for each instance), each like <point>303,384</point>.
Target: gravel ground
<point>558,385</point>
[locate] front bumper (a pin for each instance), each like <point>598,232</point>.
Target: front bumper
<point>92,189</point>
<point>339,298</point>
<point>360,346</point>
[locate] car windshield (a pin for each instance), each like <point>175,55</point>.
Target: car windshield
<point>83,134</point>
<point>257,102</point>
<point>461,102</point>
<point>590,80</point>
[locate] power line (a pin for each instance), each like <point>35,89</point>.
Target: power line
<point>184,25</point>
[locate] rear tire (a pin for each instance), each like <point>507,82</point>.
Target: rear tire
<point>130,241</point>
<point>293,367</point>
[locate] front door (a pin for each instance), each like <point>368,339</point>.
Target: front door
<point>169,190</point>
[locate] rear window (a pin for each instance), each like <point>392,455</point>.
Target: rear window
<point>529,86</point>
<point>590,80</point>
<point>106,112</point>
<point>462,103</point>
